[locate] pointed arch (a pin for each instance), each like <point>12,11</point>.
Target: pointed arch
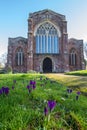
<point>47,38</point>
<point>47,65</point>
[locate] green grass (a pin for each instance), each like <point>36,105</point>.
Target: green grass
<point>21,110</point>
<point>77,83</point>
<point>78,73</point>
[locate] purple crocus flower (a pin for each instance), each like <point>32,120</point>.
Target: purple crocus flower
<point>45,111</point>
<point>28,87</point>
<point>78,92</point>
<point>69,90</point>
<point>31,82</point>
<point>51,104</point>
<point>34,82</point>
<point>33,86</point>
<point>6,90</point>
<point>3,89</point>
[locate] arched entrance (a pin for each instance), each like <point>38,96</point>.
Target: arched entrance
<point>47,65</point>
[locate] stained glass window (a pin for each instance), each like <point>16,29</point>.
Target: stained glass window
<point>47,40</point>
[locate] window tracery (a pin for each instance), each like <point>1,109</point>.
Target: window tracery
<point>47,40</point>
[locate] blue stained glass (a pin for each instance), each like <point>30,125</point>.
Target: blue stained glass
<point>50,31</point>
<point>55,45</point>
<point>37,44</point>
<point>53,42</point>
<point>43,44</point>
<point>48,44</point>
<point>51,45</point>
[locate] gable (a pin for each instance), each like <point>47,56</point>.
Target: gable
<point>47,14</point>
<point>17,40</point>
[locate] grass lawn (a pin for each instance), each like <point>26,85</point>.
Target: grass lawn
<point>78,73</point>
<point>36,102</point>
<point>71,80</point>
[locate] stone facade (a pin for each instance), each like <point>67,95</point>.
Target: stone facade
<point>78,46</point>
<point>22,55</point>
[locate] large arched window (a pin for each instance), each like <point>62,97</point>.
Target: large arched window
<point>72,57</point>
<point>47,40</point>
<point>19,57</point>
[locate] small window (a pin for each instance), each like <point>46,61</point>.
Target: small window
<point>72,57</point>
<point>19,58</point>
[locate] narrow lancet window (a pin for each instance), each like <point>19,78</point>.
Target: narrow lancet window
<point>19,57</point>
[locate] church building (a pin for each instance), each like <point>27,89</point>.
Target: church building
<point>47,48</point>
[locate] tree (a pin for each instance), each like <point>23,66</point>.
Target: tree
<point>3,59</point>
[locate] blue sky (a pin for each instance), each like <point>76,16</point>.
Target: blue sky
<point>14,15</point>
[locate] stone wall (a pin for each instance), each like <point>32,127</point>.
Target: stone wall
<point>13,45</point>
<point>78,46</point>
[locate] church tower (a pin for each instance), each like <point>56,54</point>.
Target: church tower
<point>47,42</point>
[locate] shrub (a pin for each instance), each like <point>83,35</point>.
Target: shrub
<point>31,71</point>
<point>9,69</point>
<point>3,71</point>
